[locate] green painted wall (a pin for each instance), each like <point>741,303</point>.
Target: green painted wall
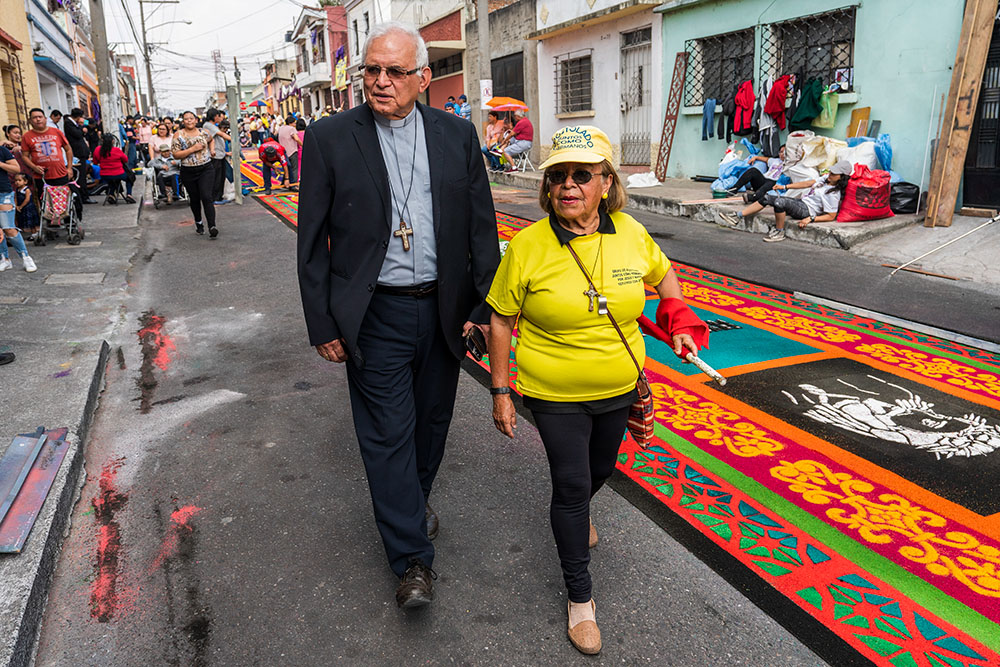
<point>902,48</point>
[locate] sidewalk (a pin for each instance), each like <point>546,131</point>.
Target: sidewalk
<point>56,321</point>
<point>668,199</point>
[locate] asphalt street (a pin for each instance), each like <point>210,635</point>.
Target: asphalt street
<point>226,520</point>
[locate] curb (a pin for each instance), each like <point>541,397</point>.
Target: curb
<point>30,623</point>
<point>840,235</point>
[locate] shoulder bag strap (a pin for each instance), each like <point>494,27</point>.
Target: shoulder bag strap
<point>590,282</point>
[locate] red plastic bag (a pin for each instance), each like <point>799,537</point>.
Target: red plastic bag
<point>866,196</point>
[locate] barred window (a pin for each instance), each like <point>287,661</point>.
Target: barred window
<point>574,81</point>
<point>448,65</point>
<point>716,65</point>
<point>819,46</point>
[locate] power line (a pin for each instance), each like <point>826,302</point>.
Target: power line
<point>138,42</point>
<point>215,30</point>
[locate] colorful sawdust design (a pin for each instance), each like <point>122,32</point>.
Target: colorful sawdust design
<point>901,575</point>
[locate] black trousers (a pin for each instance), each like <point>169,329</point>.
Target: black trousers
<point>219,174</point>
<point>198,183</point>
<point>402,401</point>
<point>582,450</point>
<point>756,180</point>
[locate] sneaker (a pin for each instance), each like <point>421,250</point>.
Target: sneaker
<point>728,218</point>
<point>267,192</point>
<point>199,228</point>
<point>129,200</point>
<point>213,231</point>
<point>5,263</point>
<point>29,264</point>
<point>221,202</point>
<point>774,236</point>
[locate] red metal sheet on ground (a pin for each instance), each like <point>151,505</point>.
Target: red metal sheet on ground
<point>19,520</point>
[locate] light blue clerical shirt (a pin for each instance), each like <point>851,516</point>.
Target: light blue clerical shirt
<point>398,139</point>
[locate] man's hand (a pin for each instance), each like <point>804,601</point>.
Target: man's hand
<point>485,328</point>
<point>333,351</point>
<point>37,168</point>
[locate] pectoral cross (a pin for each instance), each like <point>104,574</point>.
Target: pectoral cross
<point>405,232</point>
<point>592,294</point>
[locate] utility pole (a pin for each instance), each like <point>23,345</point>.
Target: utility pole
<point>234,132</point>
<point>485,69</point>
<point>151,103</point>
<point>102,56</point>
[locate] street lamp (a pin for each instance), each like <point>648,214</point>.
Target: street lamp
<point>160,25</point>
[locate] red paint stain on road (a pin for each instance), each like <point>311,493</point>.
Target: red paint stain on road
<point>109,558</point>
<point>151,335</point>
<point>179,522</point>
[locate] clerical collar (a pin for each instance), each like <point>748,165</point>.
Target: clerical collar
<point>606,226</point>
<point>392,122</point>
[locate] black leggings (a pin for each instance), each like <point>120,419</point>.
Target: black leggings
<point>756,180</point>
<point>582,450</point>
<point>199,181</point>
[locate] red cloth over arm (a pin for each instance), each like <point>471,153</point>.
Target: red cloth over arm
<point>674,317</point>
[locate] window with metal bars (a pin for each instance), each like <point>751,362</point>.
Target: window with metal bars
<point>448,65</point>
<point>716,65</point>
<point>819,46</point>
<point>574,81</point>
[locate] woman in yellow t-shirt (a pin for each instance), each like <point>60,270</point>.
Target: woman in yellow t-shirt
<point>573,370</point>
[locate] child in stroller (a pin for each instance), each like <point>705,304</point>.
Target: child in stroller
<point>167,171</point>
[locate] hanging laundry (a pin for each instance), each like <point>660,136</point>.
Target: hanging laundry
<point>707,119</point>
<point>743,114</point>
<point>726,118</point>
<point>827,118</point>
<point>775,106</point>
<point>809,105</point>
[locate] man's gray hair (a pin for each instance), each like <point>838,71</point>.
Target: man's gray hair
<point>382,29</point>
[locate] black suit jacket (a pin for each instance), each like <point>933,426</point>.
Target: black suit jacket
<point>77,142</point>
<point>345,222</point>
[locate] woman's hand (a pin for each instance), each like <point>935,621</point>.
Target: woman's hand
<point>504,415</point>
<point>779,186</point>
<point>683,343</point>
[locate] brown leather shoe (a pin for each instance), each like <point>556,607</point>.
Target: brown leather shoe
<point>593,535</point>
<point>416,587</point>
<point>432,521</point>
<point>585,636</point>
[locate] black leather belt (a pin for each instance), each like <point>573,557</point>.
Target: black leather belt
<point>416,291</point>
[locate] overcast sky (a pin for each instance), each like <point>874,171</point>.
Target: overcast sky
<point>183,73</point>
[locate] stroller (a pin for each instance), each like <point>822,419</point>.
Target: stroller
<point>59,212</point>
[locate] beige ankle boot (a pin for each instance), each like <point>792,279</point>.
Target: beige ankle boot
<point>585,636</point>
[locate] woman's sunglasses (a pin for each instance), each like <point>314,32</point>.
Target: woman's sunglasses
<point>580,176</point>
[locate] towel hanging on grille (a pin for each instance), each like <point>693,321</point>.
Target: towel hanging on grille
<point>743,115</point>
<point>775,106</point>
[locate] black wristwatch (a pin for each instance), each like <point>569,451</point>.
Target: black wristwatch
<point>812,218</point>
<point>496,391</point>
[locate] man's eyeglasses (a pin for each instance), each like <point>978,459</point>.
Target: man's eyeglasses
<point>394,73</point>
<point>580,176</point>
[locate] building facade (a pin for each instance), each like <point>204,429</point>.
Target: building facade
<point>890,58</point>
<point>18,80</point>
<point>599,64</point>
<point>52,52</point>
<point>445,39</point>
<point>313,71</point>
<point>514,64</point>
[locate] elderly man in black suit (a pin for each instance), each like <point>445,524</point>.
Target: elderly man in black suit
<point>397,249</point>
